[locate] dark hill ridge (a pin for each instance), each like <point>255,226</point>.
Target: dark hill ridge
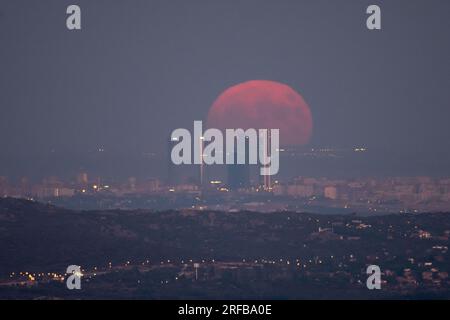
<point>17,206</point>
<point>38,237</point>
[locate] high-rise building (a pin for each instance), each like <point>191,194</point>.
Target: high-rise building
<point>239,174</point>
<point>202,165</point>
<point>266,179</point>
<point>170,181</point>
<point>82,178</point>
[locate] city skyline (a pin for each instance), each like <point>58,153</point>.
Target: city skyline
<point>360,91</point>
<point>224,150</point>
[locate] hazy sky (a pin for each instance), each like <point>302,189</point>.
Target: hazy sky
<point>139,69</point>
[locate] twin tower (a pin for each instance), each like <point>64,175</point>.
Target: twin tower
<point>237,149</point>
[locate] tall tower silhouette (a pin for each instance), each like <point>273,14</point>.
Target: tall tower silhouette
<point>267,178</point>
<point>239,174</point>
<point>171,179</point>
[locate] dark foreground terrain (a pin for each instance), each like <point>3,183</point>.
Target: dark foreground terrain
<point>212,255</point>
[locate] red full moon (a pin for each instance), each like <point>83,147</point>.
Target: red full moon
<point>263,104</point>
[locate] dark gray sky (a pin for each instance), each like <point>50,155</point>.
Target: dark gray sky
<point>139,69</point>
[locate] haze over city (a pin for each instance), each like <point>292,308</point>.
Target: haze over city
<point>123,87</point>
<point>97,99</point>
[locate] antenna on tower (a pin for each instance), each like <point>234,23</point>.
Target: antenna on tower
<point>196,266</point>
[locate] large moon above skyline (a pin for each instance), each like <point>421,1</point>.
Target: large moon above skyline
<point>263,104</point>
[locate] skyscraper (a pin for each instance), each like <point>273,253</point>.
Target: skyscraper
<point>239,174</point>
<point>170,181</point>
